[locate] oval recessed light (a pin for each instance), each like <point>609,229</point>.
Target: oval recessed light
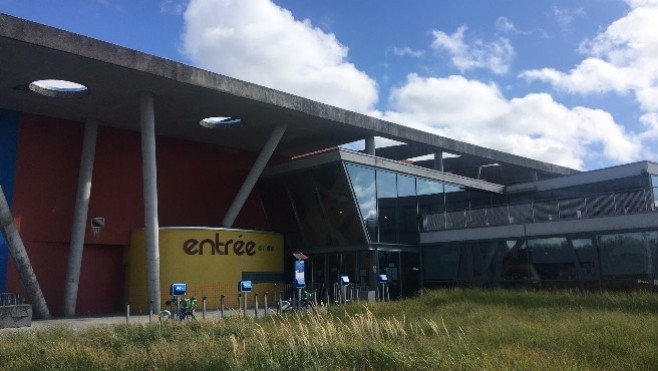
<point>58,88</point>
<point>219,122</point>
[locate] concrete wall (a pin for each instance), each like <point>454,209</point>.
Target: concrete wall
<point>13,316</point>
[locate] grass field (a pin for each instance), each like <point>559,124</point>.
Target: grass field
<point>449,329</point>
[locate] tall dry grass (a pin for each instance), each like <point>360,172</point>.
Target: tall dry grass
<point>449,329</point>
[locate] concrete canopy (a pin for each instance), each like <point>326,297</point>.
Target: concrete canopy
<point>185,95</point>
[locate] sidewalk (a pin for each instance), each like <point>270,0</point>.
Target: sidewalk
<point>77,323</point>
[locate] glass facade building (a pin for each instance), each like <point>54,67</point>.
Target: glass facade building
<point>358,218</point>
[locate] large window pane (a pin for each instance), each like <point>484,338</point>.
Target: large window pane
<point>407,210</point>
<point>627,256</point>
<point>387,205</point>
<point>552,260</point>
<point>586,257</point>
<point>363,186</point>
<point>313,222</point>
<point>333,190</point>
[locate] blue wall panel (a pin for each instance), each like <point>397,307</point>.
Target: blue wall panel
<point>8,145</point>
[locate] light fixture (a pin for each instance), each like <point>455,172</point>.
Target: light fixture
<point>486,165</point>
<point>58,88</point>
<point>220,122</point>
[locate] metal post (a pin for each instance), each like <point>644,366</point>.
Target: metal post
<point>254,174</point>
<point>151,311</point>
<point>221,306</point>
<point>256,305</point>
<point>80,217</point>
<point>21,259</point>
<point>245,304</point>
<point>299,298</point>
<point>265,302</point>
<point>149,174</point>
<point>127,313</point>
<point>203,307</point>
<point>240,302</point>
<point>280,305</point>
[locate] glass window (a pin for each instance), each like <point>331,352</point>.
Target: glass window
<point>311,217</point>
<point>406,186</point>
<point>552,260</point>
<point>515,261</point>
<point>363,186</point>
<point>586,257</point>
<point>338,204</point>
<point>429,187</point>
<point>387,206</point>
<point>407,212</point>
<point>628,255</point>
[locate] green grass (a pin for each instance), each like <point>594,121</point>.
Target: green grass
<point>450,329</point>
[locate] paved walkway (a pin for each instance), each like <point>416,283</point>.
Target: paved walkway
<point>117,318</point>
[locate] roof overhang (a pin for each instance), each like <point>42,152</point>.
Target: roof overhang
<point>185,95</point>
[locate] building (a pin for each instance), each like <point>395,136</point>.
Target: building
<point>461,215</point>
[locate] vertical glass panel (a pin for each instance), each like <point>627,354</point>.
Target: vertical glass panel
<point>407,210</point>
<point>387,205</point>
<point>367,277</point>
<point>515,261</point>
<point>409,273</point>
<point>363,185</point>
<point>440,263</point>
<point>313,222</point>
<point>586,257</point>
<point>430,200</point>
<point>552,260</point>
<point>406,186</point>
<point>279,211</point>
<point>348,266</point>
<point>627,256</point>
<point>456,198</point>
<point>428,187</point>
<point>339,207</point>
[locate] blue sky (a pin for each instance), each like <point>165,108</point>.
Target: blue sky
<point>567,81</point>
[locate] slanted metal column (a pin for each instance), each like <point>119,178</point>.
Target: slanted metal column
<point>253,175</point>
<point>21,259</point>
<point>370,145</point>
<point>80,217</point>
<point>151,223</point>
<point>438,161</point>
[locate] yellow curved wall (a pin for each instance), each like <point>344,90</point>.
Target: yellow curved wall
<point>210,260</point>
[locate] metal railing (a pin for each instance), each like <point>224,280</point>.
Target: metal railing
<point>619,203</point>
<point>7,299</point>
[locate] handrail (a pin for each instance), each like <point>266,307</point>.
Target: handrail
<point>609,204</point>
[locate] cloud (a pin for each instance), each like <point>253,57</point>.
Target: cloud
<point>565,17</point>
<point>263,43</point>
<point>620,59</point>
<point>174,7</point>
<point>495,55</point>
<point>534,126</point>
<point>407,51</point>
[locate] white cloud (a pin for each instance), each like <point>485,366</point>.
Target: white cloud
<point>175,7</point>
<point>620,60</point>
<point>261,42</point>
<point>407,51</point>
<point>495,55</point>
<point>534,126</point>
<point>565,17</point>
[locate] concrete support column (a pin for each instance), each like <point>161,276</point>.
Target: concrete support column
<point>21,260</point>
<point>151,223</point>
<point>438,161</point>
<point>254,174</point>
<point>370,145</point>
<point>80,217</point>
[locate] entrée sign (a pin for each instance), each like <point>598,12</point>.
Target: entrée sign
<point>238,246</point>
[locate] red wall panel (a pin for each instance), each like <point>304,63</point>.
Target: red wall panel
<point>196,184</point>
